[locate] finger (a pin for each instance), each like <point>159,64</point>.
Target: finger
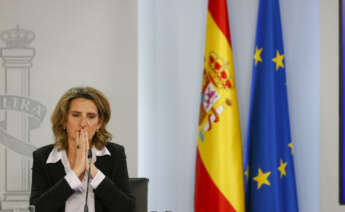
<point>87,165</point>
<point>85,140</point>
<point>80,151</point>
<point>82,140</point>
<point>77,140</point>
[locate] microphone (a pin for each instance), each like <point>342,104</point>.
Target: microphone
<point>89,157</point>
<point>89,154</point>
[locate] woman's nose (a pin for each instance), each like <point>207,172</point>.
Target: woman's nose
<point>84,122</point>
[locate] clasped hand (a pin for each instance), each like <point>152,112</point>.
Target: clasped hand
<point>78,155</point>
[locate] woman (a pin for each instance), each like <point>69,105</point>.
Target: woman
<point>60,171</point>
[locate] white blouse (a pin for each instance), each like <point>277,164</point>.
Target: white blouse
<point>76,202</point>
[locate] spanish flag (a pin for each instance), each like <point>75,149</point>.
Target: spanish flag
<point>219,174</point>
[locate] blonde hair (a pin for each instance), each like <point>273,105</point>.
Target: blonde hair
<point>59,116</point>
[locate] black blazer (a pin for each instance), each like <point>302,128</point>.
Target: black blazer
<point>50,190</point>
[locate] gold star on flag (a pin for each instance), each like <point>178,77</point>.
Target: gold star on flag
<point>278,60</point>
<point>262,178</point>
<point>257,56</point>
<point>281,168</point>
<point>247,172</point>
<point>291,147</point>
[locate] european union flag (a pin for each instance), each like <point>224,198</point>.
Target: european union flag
<point>269,170</point>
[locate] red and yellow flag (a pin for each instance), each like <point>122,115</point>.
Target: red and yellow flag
<point>219,175</point>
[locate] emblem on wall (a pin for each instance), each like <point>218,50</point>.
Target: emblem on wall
<point>19,115</point>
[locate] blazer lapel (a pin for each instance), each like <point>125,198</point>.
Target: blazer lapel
<point>56,171</point>
<point>103,163</point>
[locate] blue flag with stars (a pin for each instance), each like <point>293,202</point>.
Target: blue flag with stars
<point>268,161</point>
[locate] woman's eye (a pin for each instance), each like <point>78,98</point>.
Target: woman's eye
<point>75,115</point>
<point>92,116</point>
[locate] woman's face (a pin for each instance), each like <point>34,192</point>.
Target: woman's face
<point>82,114</point>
